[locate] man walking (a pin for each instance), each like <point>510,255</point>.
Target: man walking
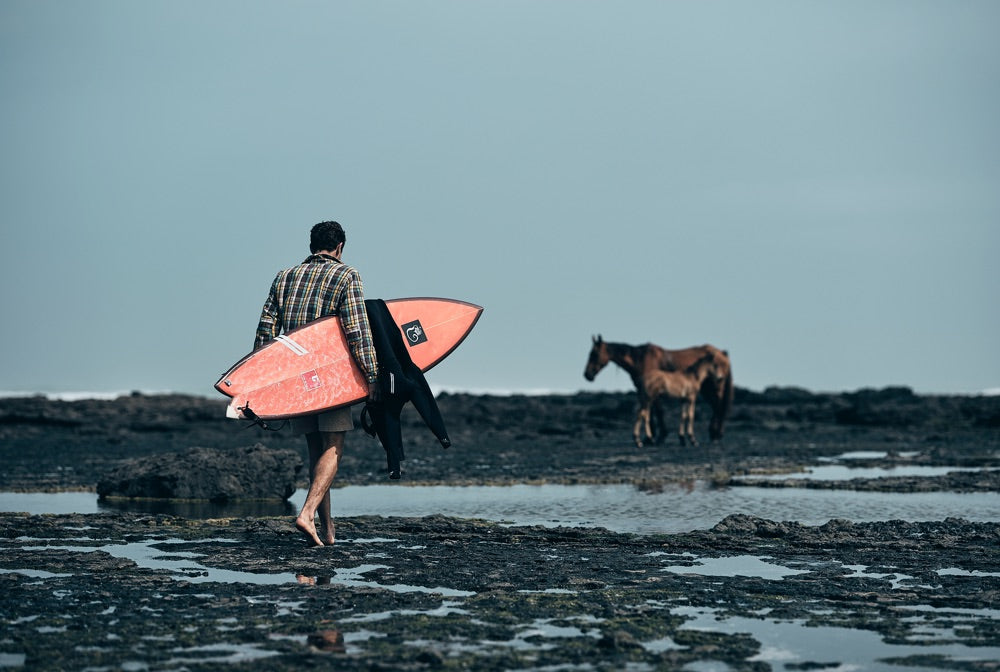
<point>322,285</point>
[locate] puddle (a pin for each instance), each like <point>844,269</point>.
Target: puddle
<point>354,577</point>
<point>757,567</point>
<point>445,609</point>
<point>868,455</point>
<point>954,571</point>
<point>34,573</point>
<point>736,565</point>
<point>529,637</point>
<point>183,565</point>
<point>617,507</point>
<point>861,571</point>
<point>662,645</point>
<point>839,472</point>
<point>12,659</point>
<point>546,628</point>
<point>216,653</point>
<point>708,666</point>
<point>789,645</point>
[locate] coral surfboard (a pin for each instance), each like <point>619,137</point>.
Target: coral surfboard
<point>310,369</point>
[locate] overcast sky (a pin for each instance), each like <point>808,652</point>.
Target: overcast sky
<point>813,186</point>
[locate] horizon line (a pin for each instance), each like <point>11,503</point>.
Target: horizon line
<point>72,395</point>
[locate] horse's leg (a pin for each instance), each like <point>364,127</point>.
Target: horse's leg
<point>647,415</point>
<point>659,422</point>
<point>640,418</point>
<point>715,425</point>
<point>680,428</point>
<point>689,409</point>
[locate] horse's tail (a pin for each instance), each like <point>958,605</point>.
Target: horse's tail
<point>723,404</point>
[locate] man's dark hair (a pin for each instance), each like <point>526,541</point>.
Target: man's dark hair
<point>326,236</point>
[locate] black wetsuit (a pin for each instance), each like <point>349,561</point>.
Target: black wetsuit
<point>400,381</point>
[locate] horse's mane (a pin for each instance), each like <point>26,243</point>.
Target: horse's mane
<point>622,351</point>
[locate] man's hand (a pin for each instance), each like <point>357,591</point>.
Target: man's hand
<point>374,392</point>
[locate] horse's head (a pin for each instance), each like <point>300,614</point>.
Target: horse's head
<point>705,366</point>
<point>598,358</point>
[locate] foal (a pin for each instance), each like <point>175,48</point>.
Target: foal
<point>684,385</point>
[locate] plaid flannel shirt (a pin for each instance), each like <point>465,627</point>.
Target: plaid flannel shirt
<point>320,286</point>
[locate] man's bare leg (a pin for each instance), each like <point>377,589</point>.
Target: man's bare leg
<point>326,521</point>
<point>317,444</point>
<point>325,449</point>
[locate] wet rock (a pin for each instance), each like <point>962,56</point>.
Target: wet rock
<point>618,640</point>
<point>431,658</point>
<point>218,475</point>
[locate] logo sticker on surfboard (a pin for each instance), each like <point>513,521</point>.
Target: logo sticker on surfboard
<point>415,334</point>
<point>311,380</point>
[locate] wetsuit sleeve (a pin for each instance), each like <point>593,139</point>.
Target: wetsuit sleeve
<point>269,325</point>
<point>357,330</point>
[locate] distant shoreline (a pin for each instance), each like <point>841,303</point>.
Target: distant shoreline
<point>476,392</point>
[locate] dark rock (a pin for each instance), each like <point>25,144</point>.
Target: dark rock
<point>619,640</point>
<point>48,445</point>
<point>431,657</point>
<point>218,475</point>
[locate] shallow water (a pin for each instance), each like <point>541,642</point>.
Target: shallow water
<point>840,472</point>
<point>621,508</point>
<point>786,644</point>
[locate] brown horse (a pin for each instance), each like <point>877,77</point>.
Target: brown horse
<point>642,362</point>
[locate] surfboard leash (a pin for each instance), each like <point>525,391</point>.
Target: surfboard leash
<point>257,420</point>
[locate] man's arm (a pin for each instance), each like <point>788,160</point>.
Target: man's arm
<point>357,330</point>
<point>269,325</point>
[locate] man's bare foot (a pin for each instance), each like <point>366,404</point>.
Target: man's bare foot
<point>331,533</point>
<point>308,528</point>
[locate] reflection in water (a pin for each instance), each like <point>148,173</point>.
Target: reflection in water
<point>327,640</point>
<point>199,509</point>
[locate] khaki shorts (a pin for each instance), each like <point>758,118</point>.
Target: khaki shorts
<point>336,420</point>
